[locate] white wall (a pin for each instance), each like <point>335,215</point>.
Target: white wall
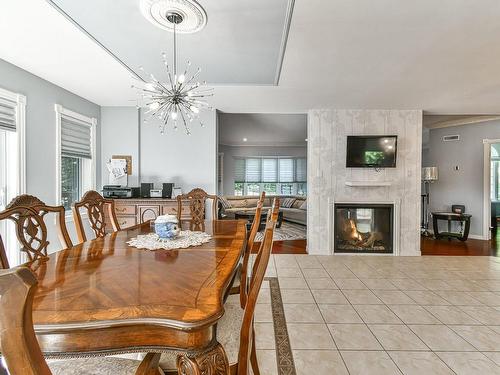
<point>41,96</point>
<point>187,161</point>
<point>464,186</point>
<point>230,152</point>
<point>327,134</point>
<point>120,132</point>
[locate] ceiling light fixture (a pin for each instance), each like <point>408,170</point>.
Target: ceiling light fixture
<point>244,139</point>
<point>181,98</point>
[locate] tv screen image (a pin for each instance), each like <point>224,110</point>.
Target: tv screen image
<point>371,151</point>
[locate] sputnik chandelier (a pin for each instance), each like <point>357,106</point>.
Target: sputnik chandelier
<point>178,100</point>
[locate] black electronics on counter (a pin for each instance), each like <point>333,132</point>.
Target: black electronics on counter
<point>167,190</point>
<point>145,189</point>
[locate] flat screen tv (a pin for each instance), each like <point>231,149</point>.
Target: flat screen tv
<point>373,151</point>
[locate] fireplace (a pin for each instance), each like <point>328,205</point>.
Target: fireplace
<point>363,228</point>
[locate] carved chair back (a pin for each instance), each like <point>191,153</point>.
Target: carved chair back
<point>97,207</point>
<point>4,263</point>
<point>247,334</point>
<point>248,250</point>
<point>28,214</point>
<point>20,347</point>
<point>197,202</point>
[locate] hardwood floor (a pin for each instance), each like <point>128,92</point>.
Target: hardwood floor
<point>471,247</point>
<point>429,246</point>
<point>286,247</point>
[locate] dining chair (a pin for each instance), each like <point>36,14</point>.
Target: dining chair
<point>240,282</point>
<point>28,214</point>
<point>197,201</point>
<point>20,349</point>
<point>4,262</point>
<point>235,330</point>
<point>97,207</point>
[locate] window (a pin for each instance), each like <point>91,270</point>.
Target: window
<point>495,172</point>
<point>12,164</point>
<point>76,155</point>
<point>273,175</point>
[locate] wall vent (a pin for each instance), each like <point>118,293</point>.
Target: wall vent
<point>451,138</point>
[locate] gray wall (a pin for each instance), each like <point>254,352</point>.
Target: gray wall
<point>230,152</point>
<point>464,186</point>
<point>41,96</point>
<point>187,161</point>
<point>120,130</point>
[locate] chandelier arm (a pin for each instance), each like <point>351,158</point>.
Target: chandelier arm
<point>192,79</point>
<point>184,121</point>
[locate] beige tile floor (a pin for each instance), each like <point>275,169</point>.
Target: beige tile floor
<point>385,315</point>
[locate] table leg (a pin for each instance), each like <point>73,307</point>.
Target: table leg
<point>150,365</point>
<point>211,362</point>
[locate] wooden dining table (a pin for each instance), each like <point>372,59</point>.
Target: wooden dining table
<point>105,297</point>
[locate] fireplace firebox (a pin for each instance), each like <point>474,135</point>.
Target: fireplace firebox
<point>363,228</point>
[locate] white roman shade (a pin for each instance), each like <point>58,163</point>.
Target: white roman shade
<point>269,170</point>
<point>239,170</point>
<point>76,137</point>
<point>253,170</point>
<point>8,118</point>
<point>301,170</point>
<point>286,170</point>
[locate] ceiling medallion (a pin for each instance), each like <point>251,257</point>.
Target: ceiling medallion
<point>193,15</point>
<point>181,97</point>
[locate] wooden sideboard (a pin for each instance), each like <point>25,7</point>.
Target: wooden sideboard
<point>132,211</point>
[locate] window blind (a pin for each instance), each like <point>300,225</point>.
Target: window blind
<point>286,170</point>
<point>76,138</point>
<point>301,170</point>
<point>7,115</point>
<point>252,172</point>
<point>239,170</point>
<point>269,170</point>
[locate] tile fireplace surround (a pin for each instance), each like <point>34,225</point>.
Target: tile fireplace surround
<point>331,182</point>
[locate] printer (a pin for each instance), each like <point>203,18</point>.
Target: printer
<point>118,191</point>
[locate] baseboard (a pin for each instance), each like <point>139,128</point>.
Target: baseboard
<point>477,237</point>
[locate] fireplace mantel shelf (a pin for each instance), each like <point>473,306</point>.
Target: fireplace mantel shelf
<point>368,183</point>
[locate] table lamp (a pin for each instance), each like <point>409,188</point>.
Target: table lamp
<point>429,175</point>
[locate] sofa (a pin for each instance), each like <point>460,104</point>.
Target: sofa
<point>297,213</point>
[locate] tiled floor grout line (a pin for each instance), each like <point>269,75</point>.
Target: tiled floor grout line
<point>324,320</point>
<point>451,287</point>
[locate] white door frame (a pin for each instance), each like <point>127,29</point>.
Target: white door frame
<point>486,187</point>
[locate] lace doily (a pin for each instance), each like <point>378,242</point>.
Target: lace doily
<point>186,238</point>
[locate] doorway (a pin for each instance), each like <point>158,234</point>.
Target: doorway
<point>491,193</point>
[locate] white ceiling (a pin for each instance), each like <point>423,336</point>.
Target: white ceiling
<point>239,45</point>
<point>439,56</point>
<point>262,129</point>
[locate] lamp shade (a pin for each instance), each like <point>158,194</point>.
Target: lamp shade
<point>430,174</point>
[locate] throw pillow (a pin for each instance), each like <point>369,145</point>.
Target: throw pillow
<point>287,202</point>
<point>225,203</point>
<point>303,206</point>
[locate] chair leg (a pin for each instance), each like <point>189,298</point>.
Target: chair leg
<point>253,357</point>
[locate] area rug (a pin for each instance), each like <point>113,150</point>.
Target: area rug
<point>287,231</point>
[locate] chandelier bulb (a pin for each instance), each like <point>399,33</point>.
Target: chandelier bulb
<point>194,109</point>
<point>154,105</point>
<point>149,86</point>
<point>182,78</point>
<point>173,115</point>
